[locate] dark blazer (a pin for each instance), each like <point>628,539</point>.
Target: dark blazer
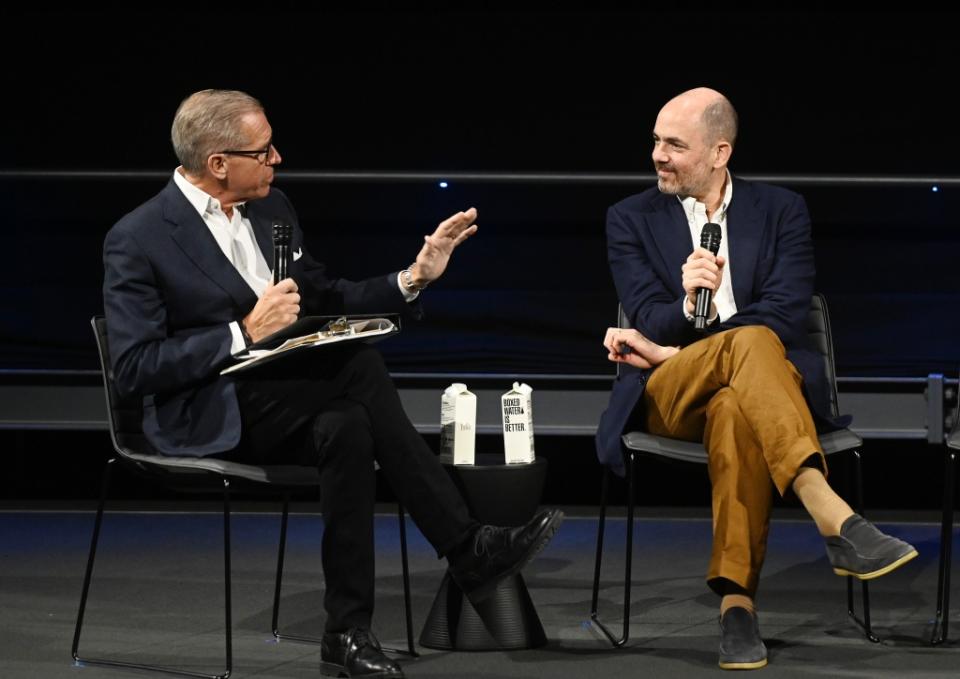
<point>772,268</point>
<point>169,294</point>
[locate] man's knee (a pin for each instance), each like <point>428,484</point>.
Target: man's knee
<point>751,336</point>
<point>366,361</point>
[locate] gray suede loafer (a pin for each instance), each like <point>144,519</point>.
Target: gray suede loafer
<point>741,647</point>
<point>864,552</point>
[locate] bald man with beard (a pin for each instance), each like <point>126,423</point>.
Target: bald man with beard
<point>749,386</point>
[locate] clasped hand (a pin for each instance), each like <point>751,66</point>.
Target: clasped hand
<point>628,346</point>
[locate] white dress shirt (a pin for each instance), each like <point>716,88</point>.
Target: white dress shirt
<point>256,272</point>
<point>696,213</point>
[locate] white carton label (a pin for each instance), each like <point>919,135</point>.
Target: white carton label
<point>517,408</point>
<point>458,423</point>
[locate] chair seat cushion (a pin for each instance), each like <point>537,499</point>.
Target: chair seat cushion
<point>688,451</point>
<point>286,475</point>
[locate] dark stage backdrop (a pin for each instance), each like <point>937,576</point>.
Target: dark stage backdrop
<point>820,93</point>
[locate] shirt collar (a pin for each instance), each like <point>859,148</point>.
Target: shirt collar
<point>201,201</point>
<point>690,203</point>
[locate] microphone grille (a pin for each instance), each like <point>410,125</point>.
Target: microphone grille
<point>282,233</point>
<point>710,236</point>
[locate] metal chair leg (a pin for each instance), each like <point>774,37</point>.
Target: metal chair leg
<point>601,526</point>
<point>105,662</point>
<point>942,619</point>
<point>275,622</point>
<point>227,607</point>
<point>104,486</point>
<point>594,615</point>
<point>864,624</point>
<point>407,603</point>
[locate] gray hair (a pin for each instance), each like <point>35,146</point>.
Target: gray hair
<point>720,121</point>
<point>208,122</point>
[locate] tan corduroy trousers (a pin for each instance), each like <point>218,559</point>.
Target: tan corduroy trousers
<point>737,392</point>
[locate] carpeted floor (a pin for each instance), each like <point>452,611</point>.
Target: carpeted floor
<point>158,596</point>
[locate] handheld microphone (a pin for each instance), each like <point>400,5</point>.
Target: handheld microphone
<point>282,234</point>
<point>709,240</point>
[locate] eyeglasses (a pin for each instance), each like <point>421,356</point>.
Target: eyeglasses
<point>259,155</point>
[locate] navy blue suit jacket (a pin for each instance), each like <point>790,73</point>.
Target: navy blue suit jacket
<point>772,267</point>
<point>169,294</point>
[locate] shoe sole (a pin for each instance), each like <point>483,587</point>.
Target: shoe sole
<point>880,571</point>
<point>484,592</point>
<point>329,669</point>
<point>743,665</point>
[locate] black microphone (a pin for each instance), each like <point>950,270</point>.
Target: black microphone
<point>710,240</point>
<point>282,234</point>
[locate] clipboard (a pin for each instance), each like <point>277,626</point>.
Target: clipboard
<point>311,332</point>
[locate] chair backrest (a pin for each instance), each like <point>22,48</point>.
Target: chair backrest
<point>953,438</point>
<point>124,416</point>
<point>821,340</point>
<point>186,473</point>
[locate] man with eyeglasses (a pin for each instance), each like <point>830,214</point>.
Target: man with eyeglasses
<point>187,285</point>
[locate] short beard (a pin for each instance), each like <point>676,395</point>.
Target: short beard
<point>664,189</point>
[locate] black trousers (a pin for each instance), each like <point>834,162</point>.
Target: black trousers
<point>338,408</point>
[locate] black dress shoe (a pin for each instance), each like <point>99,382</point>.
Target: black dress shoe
<point>355,653</point>
<point>496,553</point>
<point>864,552</point>
<point>741,647</point>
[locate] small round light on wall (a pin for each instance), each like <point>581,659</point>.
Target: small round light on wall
<point>443,185</point>
<point>935,188</point>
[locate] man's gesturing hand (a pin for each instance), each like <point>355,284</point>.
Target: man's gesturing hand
<point>437,247</point>
<point>277,308</point>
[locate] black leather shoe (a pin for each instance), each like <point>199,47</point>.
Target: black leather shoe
<point>741,647</point>
<point>498,553</point>
<point>355,653</point>
<point>864,552</point>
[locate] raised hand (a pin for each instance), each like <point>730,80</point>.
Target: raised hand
<point>433,257</point>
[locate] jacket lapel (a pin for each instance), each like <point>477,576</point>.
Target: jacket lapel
<point>668,225</point>
<point>745,222</point>
<point>196,242</point>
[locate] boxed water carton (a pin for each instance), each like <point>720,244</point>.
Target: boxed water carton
<point>458,423</point>
<point>518,424</point>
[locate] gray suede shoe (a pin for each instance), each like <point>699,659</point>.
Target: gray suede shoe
<point>864,552</point>
<point>741,647</point>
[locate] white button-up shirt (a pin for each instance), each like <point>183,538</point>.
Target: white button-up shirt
<point>696,213</point>
<point>225,230</point>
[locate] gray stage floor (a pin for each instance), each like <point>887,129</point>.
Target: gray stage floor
<point>157,592</point>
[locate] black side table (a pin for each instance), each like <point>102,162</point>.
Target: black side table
<point>500,495</point>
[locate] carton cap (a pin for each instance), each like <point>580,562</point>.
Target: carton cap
<point>456,388</point>
<point>521,388</point>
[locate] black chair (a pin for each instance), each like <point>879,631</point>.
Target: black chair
<point>638,442</point>
<point>940,622</point>
<point>201,475</point>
